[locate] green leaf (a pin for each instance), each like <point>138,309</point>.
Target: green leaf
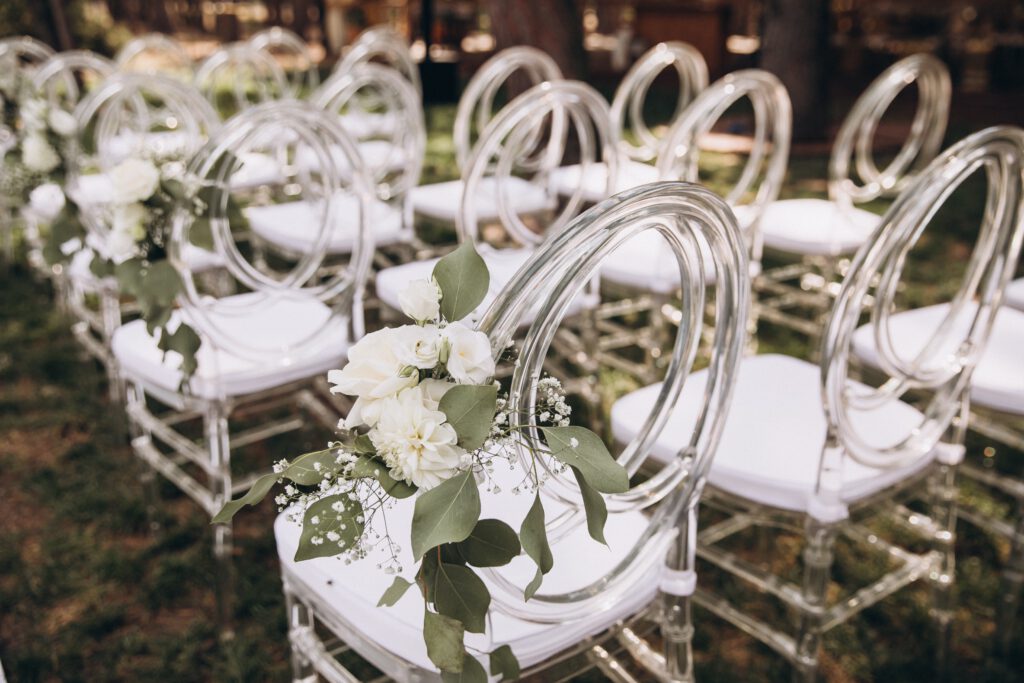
<point>472,672</point>
<point>492,544</point>
<point>101,267</point>
<point>590,456</point>
<point>443,636</point>
<point>303,470</point>
<point>446,513</point>
<point>594,505</point>
<point>470,411</point>
<point>463,278</point>
<point>200,233</point>
<point>260,488</point>
<point>460,594</point>
<point>535,542</point>
<point>504,663</point>
<point>161,283</point>
<point>186,343</point>
<point>364,445</point>
<point>394,593</point>
<point>344,523</point>
<point>367,467</point>
<point>129,276</point>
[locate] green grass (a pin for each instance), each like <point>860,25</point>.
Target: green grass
<point>89,593</point>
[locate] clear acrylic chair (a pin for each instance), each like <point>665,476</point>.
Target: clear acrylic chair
<point>128,115</point>
<point>597,602</point>
<point>237,76</point>
<point>628,118</point>
<point>155,53</point>
<point>641,271</point>
<point>808,447</point>
<point>382,44</point>
<point>821,234</point>
<point>261,349</point>
<point>477,106</point>
<point>294,55</point>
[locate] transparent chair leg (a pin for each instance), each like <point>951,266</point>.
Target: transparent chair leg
<point>677,617</point>
<point>818,557</point>
<point>943,495</point>
<point>110,312</point>
<point>1012,589</point>
<point>299,618</point>
<point>136,400</point>
<point>216,428</point>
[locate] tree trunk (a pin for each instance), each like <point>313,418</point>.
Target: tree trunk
<point>794,47</point>
<point>553,26</point>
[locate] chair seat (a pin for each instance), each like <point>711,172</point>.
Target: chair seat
<point>157,144</point>
<point>1015,294</point>
<point>815,227</point>
<point>441,201</point>
<point>773,437</point>
<point>647,261</point>
<point>295,226</point>
<point>361,124</point>
<point>502,265</point>
<point>320,343</point>
<point>257,170</point>
<point>593,185</point>
<point>352,590</point>
<point>378,155</point>
<point>998,379</point>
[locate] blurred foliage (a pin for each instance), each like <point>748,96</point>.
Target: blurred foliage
<point>89,23</point>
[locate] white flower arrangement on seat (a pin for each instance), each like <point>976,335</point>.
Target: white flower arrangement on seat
<point>430,421</point>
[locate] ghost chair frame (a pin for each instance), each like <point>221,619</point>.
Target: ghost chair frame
<point>382,44</point>
<point>261,350</point>
<point>252,77</point>
<point>171,57</point>
<point>305,76</point>
<point>793,227</point>
<point>651,577</point>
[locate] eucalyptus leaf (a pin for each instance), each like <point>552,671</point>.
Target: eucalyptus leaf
<point>129,276</point>
<point>583,449</point>
<point>161,283</point>
<point>186,343</point>
<point>343,523</point>
<point>504,663</point>
<point>364,445</point>
<point>594,506</point>
<point>534,538</point>
<point>303,470</point>
<point>394,592</point>
<point>443,636</point>
<point>469,409</point>
<point>460,594</point>
<point>463,278</point>
<point>446,513</point>
<point>259,490</point>
<point>492,544</point>
<point>472,672</point>
<point>367,467</point>
<point>101,267</point>
<point>200,233</point>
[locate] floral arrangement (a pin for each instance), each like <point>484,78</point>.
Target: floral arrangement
<point>40,139</point>
<point>430,422</point>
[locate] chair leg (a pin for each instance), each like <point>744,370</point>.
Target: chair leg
<point>135,399</point>
<point>942,491</point>
<point>1012,588</point>
<point>677,618</point>
<point>299,618</point>
<point>818,557</point>
<point>110,312</point>
<point>216,429</point>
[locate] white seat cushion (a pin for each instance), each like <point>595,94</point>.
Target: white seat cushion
<point>502,265</point>
<point>361,124</point>
<point>354,589</point>
<point>255,171</point>
<point>157,143</point>
<point>815,227</point>
<point>566,180</point>
<point>772,442</point>
<point>295,226</point>
<point>293,338</point>
<point>378,155</point>
<point>1015,294</point>
<point>442,200</point>
<point>998,379</point>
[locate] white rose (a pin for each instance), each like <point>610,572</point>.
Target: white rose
<point>418,346</point>
<point>33,115</point>
<point>373,372</point>
<point>134,180</point>
<point>62,122</point>
<point>38,155</point>
<point>469,354</point>
<point>415,440</point>
<point>129,226</point>
<point>421,300</point>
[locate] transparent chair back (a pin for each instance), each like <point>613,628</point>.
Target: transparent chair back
<point>529,138</point>
<point>289,308</point>
<point>761,178</point>
<point>293,56</point>
<point>384,45</point>
<point>19,57</point>
<point>941,369</point>
<point>684,214</point>
<point>479,104</point>
<point>394,152</point>
<point>146,116</point>
<point>155,53</point>
<point>63,79</point>
<point>854,177</point>
<point>25,51</point>
<point>632,94</point>
<point>238,76</point>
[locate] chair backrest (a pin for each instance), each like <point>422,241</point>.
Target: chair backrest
<point>529,137</point>
<point>238,76</point>
<point>25,51</point>
<point>155,53</point>
<point>853,175</point>
<point>59,80</point>
<point>761,179</point>
<point>296,59</point>
<point>686,215</point>
<point>632,93</point>
<point>382,44</point>
<point>477,104</point>
<point>402,135</point>
<point>293,281</point>
<point>941,367</point>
